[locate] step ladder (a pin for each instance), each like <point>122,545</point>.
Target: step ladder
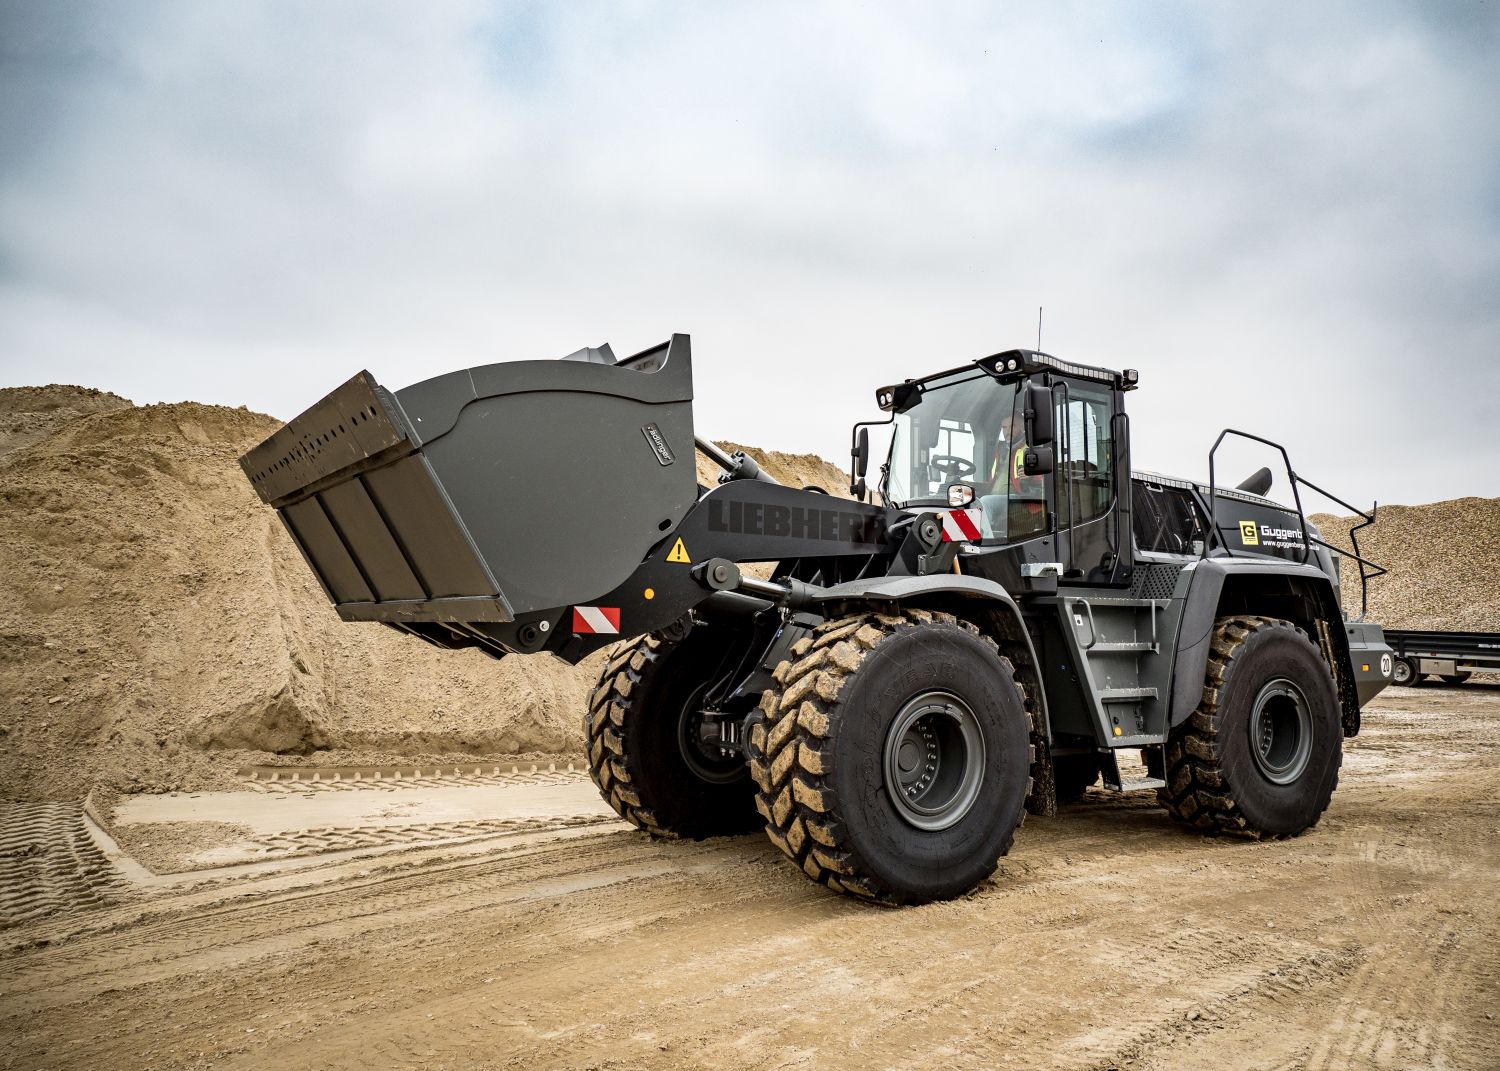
<point>1114,776</point>
<point>1112,637</point>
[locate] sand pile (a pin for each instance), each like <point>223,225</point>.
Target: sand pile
<point>1444,562</point>
<point>794,470</point>
<point>30,414</point>
<point>161,630</point>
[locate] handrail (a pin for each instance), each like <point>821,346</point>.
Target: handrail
<point>1093,628</point>
<point>1067,473</point>
<point>1125,503</point>
<point>1366,519</point>
<point>1364,577</point>
<point>1213,498</point>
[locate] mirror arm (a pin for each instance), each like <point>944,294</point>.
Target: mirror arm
<point>859,455</point>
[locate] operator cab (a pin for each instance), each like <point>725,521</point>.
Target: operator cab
<point>1037,449</point>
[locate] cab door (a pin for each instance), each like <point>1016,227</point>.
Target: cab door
<point>1091,444</point>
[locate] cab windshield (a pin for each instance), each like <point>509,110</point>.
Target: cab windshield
<point>968,429</point>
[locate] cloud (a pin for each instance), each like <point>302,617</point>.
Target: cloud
<point>1284,215</point>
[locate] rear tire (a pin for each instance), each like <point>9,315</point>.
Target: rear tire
<point>1455,679</point>
<point>1261,754</point>
<point>893,758</point>
<point>641,751</point>
<point>1404,673</point>
<point>1074,775</point>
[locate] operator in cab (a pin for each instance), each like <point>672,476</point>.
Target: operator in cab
<point>1027,495</point>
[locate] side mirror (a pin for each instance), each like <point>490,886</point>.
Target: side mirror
<point>860,463</point>
<point>1039,416</point>
<point>1037,461</point>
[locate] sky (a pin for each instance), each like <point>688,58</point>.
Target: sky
<point>1285,215</point>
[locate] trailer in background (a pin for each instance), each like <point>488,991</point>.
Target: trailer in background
<point>1451,656</point>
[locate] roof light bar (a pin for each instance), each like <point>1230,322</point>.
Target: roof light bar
<point>1014,363</point>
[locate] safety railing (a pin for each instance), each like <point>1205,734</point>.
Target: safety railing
<point>1368,570</point>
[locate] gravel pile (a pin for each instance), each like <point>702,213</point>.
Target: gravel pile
<point>1444,562</point>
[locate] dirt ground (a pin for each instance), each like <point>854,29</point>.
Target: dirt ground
<point>1109,938</point>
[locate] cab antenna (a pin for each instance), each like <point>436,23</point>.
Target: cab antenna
<point>1039,329</point>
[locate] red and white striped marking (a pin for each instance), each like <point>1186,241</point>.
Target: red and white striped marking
<point>960,525</point>
<point>596,620</point>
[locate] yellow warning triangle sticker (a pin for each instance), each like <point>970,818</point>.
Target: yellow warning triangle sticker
<point>679,553</point>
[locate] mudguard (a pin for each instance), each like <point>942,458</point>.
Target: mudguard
<point>1209,576</point>
<point>938,588</point>
<point>1371,656</point>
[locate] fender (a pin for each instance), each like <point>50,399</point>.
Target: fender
<point>1201,608</point>
<point>939,589</point>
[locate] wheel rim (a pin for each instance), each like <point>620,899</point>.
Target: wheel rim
<point>934,761</point>
<point>1281,732</point>
<point>1401,674</point>
<point>707,760</point>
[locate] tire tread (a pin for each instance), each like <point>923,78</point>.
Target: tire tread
<point>1197,792</point>
<point>609,704</point>
<point>798,717</point>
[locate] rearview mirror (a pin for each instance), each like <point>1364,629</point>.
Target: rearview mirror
<point>1037,461</point>
<point>1038,415</point>
<point>859,463</point>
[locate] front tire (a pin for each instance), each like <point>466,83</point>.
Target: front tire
<point>643,753</point>
<point>1261,754</point>
<point>893,758</point>
<point>1455,679</point>
<point>1404,673</point>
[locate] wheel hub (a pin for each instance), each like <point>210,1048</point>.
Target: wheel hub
<point>934,761</point>
<point>698,742</point>
<point>1281,732</point>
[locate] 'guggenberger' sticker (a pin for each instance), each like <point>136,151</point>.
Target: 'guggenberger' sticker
<point>658,444</point>
<point>1265,535</point>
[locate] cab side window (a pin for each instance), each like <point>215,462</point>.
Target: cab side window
<point>1164,518</point>
<point>1086,448</point>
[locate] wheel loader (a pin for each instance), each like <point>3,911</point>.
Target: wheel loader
<point>907,671</point>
